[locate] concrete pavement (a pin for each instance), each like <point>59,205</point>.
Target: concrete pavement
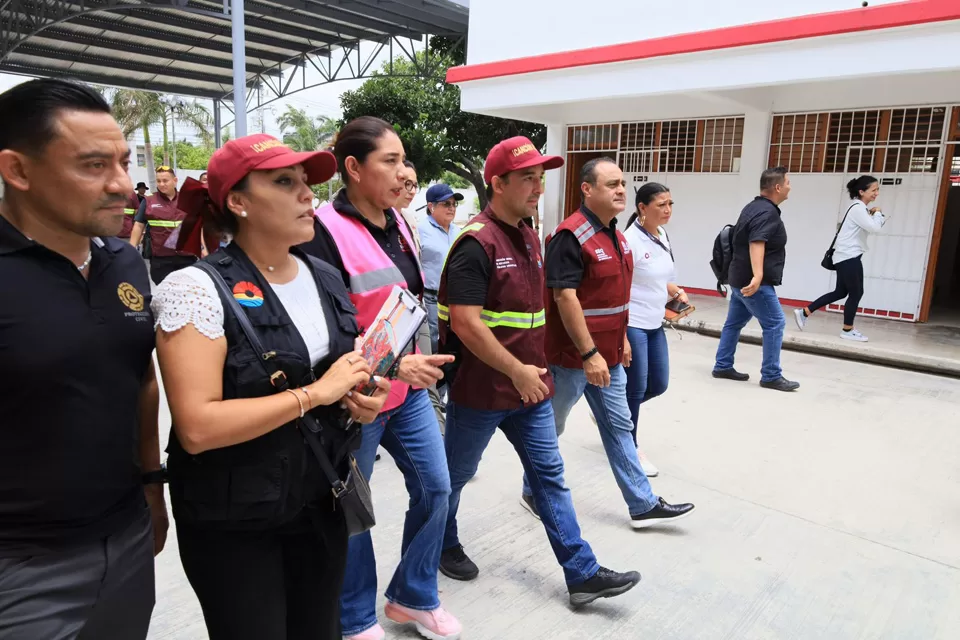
<point>932,347</point>
<point>829,513</point>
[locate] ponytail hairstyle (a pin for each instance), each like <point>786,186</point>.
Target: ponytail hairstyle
<point>645,195</point>
<point>857,185</point>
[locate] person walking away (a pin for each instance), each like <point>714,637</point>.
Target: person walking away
<point>261,539</point>
<point>437,236</point>
<point>759,255</point>
<point>159,217</point>
<point>361,235</point>
<point>492,316</point>
<point>651,288</point>
<point>79,527</point>
<point>851,243</point>
<point>589,269</point>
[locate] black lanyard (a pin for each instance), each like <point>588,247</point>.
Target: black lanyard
<point>656,239</point>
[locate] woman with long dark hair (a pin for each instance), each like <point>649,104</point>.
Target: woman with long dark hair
<point>652,287</point>
<point>859,221</point>
<point>361,234</point>
<point>261,538</point>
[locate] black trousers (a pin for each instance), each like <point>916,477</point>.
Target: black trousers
<point>160,268</point>
<point>849,286</point>
<point>103,590</point>
<point>273,585</point>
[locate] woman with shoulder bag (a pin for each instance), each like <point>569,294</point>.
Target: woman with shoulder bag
<point>262,538</point>
<point>652,288</point>
<point>847,250</point>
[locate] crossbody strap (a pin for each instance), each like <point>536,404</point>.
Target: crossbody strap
<point>837,234</point>
<point>308,425</point>
<point>657,240</point>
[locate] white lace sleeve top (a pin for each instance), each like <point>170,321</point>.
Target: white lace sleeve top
<point>188,296</point>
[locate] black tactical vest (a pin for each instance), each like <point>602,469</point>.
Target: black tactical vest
<point>265,482</point>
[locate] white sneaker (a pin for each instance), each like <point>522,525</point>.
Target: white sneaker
<point>854,335</point>
<point>649,469</point>
<point>800,318</point>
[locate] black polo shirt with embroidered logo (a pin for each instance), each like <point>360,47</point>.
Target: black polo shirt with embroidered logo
<point>73,353</point>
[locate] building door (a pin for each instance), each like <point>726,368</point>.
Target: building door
<point>895,264</point>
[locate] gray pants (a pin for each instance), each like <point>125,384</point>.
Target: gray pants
<point>97,591</point>
<point>423,342</point>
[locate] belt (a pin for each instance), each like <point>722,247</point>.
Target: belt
<point>432,292</point>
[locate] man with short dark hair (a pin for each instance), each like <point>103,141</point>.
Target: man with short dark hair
<point>161,219</point>
<point>78,391</point>
<point>759,255</point>
<point>491,314</point>
<point>589,277</point>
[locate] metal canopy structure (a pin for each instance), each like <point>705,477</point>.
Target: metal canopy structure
<point>218,49</point>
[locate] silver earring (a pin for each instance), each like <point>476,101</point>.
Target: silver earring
<point>243,214</point>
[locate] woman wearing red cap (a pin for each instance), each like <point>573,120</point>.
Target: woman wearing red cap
<point>361,234</point>
<point>261,539</point>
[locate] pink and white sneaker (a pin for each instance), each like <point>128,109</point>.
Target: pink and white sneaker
<point>438,624</point>
<point>375,632</point>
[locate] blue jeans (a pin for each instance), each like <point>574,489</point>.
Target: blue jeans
<point>430,302</point>
<point>609,405</point>
<point>532,432</point>
<point>649,371</point>
<point>410,434</point>
<point>765,307</point>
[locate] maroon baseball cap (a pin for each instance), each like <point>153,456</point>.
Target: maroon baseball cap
<point>516,153</point>
<point>233,161</point>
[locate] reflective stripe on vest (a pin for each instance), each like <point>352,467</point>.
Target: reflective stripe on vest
<point>129,212</point>
<point>584,232</point>
<point>164,223</point>
<point>512,319</point>
<point>373,280</point>
<point>610,311</point>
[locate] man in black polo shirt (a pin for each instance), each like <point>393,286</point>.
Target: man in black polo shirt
<point>759,254</point>
<point>78,391</point>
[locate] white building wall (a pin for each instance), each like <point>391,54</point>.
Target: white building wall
<point>505,29</point>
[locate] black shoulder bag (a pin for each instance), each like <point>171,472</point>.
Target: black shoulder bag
<point>827,262</point>
<point>353,493</point>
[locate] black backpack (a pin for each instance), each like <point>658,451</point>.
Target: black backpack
<point>722,257</point>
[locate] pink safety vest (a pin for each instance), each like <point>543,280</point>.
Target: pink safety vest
<point>372,273</point>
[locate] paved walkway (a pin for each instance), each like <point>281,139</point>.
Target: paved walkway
<point>828,514</point>
<point>929,347</point>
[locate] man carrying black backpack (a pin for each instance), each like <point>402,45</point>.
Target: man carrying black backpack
<point>756,268</point>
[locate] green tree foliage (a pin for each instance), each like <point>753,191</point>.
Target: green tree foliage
<point>300,132</point>
<point>189,156</point>
<point>425,111</point>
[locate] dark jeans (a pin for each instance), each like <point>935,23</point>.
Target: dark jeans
<point>282,584</point>
<point>160,268</point>
<point>98,591</point>
<point>849,286</point>
<point>649,371</point>
<point>765,307</point>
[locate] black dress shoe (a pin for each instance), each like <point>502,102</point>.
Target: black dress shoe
<point>780,384</point>
<point>455,564</point>
<point>663,513</point>
<point>731,374</point>
<point>604,584</point>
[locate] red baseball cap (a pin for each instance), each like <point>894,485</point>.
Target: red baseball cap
<point>516,153</point>
<point>235,160</point>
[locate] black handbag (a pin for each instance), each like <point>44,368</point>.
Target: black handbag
<point>827,262</point>
<point>352,493</point>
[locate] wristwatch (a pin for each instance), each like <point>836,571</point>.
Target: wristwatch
<point>589,354</point>
<point>156,477</point>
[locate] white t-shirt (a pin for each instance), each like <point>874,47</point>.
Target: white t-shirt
<point>852,239</point>
<point>652,270</point>
<point>188,296</point>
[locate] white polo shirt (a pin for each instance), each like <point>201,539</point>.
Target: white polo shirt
<point>652,270</point>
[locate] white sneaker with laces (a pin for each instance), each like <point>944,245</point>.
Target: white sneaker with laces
<point>854,335</point>
<point>800,318</point>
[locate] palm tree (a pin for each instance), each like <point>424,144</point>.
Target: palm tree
<point>139,110</point>
<point>303,133</point>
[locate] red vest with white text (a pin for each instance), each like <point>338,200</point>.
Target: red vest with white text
<point>604,294</point>
<point>372,273</point>
<point>163,218</point>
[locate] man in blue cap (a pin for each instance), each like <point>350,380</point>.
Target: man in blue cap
<point>437,235</point>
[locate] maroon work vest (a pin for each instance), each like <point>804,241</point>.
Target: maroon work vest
<point>163,218</point>
<point>129,212</point>
<point>604,294</point>
<point>513,311</point>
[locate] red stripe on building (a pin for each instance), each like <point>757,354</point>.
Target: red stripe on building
<point>887,16</point>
